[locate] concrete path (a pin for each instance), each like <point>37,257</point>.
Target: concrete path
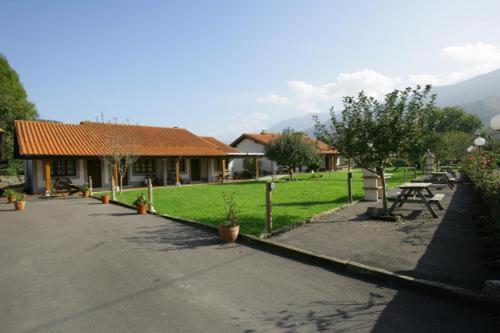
<point>446,249</point>
<point>76,265</point>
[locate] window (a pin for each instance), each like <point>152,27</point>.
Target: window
<point>62,168</point>
<point>171,165</point>
<point>217,164</point>
<point>144,166</point>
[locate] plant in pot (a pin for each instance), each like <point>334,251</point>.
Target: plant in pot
<point>105,198</point>
<point>20,203</point>
<point>10,194</point>
<point>228,230</point>
<point>85,190</point>
<point>141,203</point>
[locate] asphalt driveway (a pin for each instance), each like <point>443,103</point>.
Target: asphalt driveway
<point>75,265</point>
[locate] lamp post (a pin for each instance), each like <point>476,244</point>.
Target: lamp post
<point>495,122</point>
<point>479,142</point>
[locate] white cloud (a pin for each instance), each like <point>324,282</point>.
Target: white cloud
<point>477,58</point>
<point>310,98</point>
<point>273,99</point>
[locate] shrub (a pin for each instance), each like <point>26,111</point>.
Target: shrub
<point>140,200</point>
<point>231,218</point>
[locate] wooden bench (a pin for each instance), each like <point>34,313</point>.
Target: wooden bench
<point>436,200</point>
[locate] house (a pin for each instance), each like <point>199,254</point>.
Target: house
<point>169,155</point>
<point>255,142</point>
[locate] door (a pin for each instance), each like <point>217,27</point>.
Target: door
<point>195,170</point>
<point>94,171</point>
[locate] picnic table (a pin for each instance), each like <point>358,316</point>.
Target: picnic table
<point>449,169</point>
<point>441,177</point>
<point>412,193</point>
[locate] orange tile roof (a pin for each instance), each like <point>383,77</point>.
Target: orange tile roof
<point>264,137</point>
<point>221,145</point>
<point>35,138</point>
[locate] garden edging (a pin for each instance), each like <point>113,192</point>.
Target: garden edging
<point>350,268</point>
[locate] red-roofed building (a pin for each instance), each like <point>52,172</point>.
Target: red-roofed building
<point>254,143</point>
<point>54,150</point>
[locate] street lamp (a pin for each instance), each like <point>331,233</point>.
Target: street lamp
<point>479,142</point>
<point>495,122</point>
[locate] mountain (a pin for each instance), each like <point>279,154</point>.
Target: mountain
<point>469,91</point>
<point>479,95</point>
<point>485,108</point>
<point>303,123</point>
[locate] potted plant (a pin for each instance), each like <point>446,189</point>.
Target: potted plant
<point>105,198</point>
<point>85,190</point>
<point>20,203</point>
<point>228,230</point>
<point>141,203</point>
<point>10,194</point>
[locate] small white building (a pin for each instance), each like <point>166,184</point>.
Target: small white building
<point>253,143</point>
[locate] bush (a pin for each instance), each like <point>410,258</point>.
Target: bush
<point>140,200</point>
<point>231,218</point>
<point>20,196</point>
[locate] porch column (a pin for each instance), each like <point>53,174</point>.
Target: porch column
<point>177,175</point>
<point>223,169</point>
<point>48,185</point>
<point>332,162</point>
<point>256,159</point>
<point>165,171</point>
<point>115,175</point>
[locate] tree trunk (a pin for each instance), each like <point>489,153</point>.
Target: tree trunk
<point>384,191</point>
<point>291,173</point>
<point>121,184</point>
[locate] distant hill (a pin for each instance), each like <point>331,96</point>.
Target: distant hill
<point>469,91</point>
<point>303,123</point>
<point>485,108</point>
<point>479,95</point>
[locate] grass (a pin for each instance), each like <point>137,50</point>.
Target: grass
<point>292,201</point>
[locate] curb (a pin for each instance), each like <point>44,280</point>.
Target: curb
<point>348,268</point>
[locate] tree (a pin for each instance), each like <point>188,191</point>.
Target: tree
<point>372,132</point>
<point>119,152</point>
<point>14,105</point>
<point>291,150</point>
<point>448,146</point>
<point>455,119</point>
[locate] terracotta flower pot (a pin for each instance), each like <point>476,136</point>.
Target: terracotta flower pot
<point>11,198</point>
<point>105,199</point>
<point>141,209</point>
<point>20,204</point>
<point>229,235</point>
<point>85,194</point>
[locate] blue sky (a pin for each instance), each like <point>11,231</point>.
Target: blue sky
<point>223,67</point>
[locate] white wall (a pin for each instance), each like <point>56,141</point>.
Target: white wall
<point>250,146</point>
<point>38,175</point>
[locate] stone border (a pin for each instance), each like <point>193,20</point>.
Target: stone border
<point>347,267</point>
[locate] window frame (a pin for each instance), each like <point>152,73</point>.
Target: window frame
<point>144,166</point>
<point>60,167</point>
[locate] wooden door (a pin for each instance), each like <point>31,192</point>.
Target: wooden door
<point>94,171</point>
<point>195,170</point>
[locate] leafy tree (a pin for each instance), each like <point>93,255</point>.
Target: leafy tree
<point>291,150</point>
<point>373,132</point>
<point>315,162</point>
<point>14,105</point>
<point>455,119</point>
<point>448,146</point>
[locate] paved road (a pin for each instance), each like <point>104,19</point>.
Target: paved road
<point>447,249</point>
<point>78,266</point>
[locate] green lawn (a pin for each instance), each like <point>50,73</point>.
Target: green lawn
<point>292,201</point>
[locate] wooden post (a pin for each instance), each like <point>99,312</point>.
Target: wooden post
<point>269,208</point>
<point>113,189</point>
<point>91,189</point>
<point>257,167</point>
<point>48,184</point>
<point>115,174</point>
<point>223,167</point>
<point>150,196</point>
<point>177,174</point>
<point>349,182</point>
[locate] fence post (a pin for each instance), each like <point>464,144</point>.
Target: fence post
<point>349,182</point>
<point>150,196</point>
<point>91,189</point>
<point>269,208</point>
